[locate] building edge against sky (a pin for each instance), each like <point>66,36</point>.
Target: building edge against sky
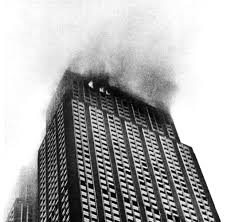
<point>107,156</point>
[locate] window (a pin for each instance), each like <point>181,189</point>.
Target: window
<point>195,182</point>
<point>142,172</point>
<point>84,162</point>
<point>124,172</point>
<point>177,176</point>
<point>104,166</point>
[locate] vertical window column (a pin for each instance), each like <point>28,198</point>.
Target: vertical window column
<point>62,166</point>
<point>123,108</point>
<point>155,120</point>
<point>139,115</point>
<point>196,183</point>
<point>160,175</point>
<point>52,178</point>
<point>75,89</point>
<point>178,179</point>
<point>126,182</point>
<point>111,208</point>
<point>42,183</point>
<point>88,197</point>
<point>106,102</point>
<point>90,95</point>
<point>142,172</point>
<point>170,127</point>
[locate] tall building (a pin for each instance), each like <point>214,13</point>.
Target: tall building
<point>107,156</point>
<point>25,205</point>
<point>21,211</point>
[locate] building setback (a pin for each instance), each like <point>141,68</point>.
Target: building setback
<point>107,156</point>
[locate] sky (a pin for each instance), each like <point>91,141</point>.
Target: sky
<point>40,39</point>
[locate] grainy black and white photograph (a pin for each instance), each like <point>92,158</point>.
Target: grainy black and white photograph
<point>113,111</point>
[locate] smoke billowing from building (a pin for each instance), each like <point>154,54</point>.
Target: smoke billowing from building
<point>137,51</point>
<point>138,44</point>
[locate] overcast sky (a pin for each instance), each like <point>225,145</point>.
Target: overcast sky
<point>41,37</point>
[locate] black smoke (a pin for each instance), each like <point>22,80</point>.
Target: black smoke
<point>137,50</point>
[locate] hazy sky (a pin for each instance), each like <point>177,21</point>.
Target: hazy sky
<point>43,36</point>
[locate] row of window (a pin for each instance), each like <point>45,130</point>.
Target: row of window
<point>160,175</point>
<point>125,176</point>
<point>109,197</point>
<point>139,115</point>
<point>169,127</point>
<point>157,119</point>
<point>52,177</point>
<point>62,166</point>
<point>196,183</point>
<point>48,173</point>
<point>88,200</point>
<point>42,182</point>
<point>142,173</point>
<point>88,197</point>
<point>90,96</point>
<point>178,179</point>
<point>107,102</point>
<point>76,93</point>
<point>123,108</point>
<point>170,131</point>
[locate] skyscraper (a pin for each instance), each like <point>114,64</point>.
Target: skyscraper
<point>107,156</point>
<point>25,205</point>
<point>21,211</point>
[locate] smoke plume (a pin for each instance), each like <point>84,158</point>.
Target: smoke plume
<point>138,50</point>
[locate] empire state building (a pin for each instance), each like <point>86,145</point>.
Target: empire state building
<point>107,156</point>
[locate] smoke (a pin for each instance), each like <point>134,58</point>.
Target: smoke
<point>139,49</point>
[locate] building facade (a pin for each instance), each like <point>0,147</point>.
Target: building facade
<point>24,208</point>
<point>21,211</point>
<point>107,156</point>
